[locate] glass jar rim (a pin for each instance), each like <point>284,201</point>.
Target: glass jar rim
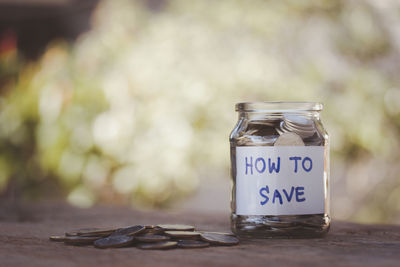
<point>279,106</point>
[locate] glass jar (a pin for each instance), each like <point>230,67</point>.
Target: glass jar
<point>280,171</point>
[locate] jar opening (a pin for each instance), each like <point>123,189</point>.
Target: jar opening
<point>278,106</point>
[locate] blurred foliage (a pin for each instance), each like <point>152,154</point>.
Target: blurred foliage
<point>143,104</point>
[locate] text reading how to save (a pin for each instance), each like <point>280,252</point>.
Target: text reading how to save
<point>285,180</point>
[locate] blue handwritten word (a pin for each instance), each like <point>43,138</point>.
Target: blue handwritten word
<point>260,165</point>
<point>277,196</point>
<point>303,163</point>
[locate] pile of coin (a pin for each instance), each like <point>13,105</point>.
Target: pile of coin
<point>302,126</point>
<point>162,236</point>
<point>259,133</point>
<point>283,225</point>
<point>288,130</point>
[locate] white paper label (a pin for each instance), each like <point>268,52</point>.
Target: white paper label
<point>284,180</point>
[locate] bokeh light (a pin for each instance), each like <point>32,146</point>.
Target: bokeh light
<point>141,106</point>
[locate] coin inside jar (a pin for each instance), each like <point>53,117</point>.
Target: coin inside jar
<point>289,139</point>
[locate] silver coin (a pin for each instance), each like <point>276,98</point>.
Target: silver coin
<point>176,227</point>
<point>303,131</point>
<point>219,239</point>
<point>116,241</point>
<point>298,120</point>
<point>289,139</point>
<point>192,244</point>
<point>300,126</point>
<point>300,131</point>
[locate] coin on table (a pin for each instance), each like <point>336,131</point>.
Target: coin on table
<point>78,231</point>
<point>192,244</point>
<point>132,230</point>
<point>176,227</point>
<point>220,233</point>
<point>57,238</point>
<point>92,232</point>
<point>116,241</point>
<point>219,239</point>
<point>154,230</point>
<point>151,238</point>
<point>158,245</point>
<point>81,240</point>
<point>289,139</point>
<point>183,234</point>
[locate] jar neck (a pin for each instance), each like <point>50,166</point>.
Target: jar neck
<point>277,115</point>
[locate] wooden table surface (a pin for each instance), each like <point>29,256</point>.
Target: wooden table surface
<point>24,241</point>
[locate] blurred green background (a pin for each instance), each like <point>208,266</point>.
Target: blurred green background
<point>138,109</point>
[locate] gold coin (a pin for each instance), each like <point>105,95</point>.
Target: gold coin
<point>158,245</point>
<point>154,230</point>
<point>77,231</point>
<point>92,232</point>
<point>183,234</point>
<point>220,233</point>
<point>176,227</point>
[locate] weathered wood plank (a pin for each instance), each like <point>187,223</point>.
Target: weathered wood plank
<point>25,243</point>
